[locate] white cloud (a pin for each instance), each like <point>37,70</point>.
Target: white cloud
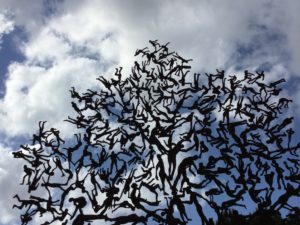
<point>29,14</point>
<point>10,177</point>
<point>47,46</point>
<point>81,40</point>
<point>36,93</point>
<point>6,26</point>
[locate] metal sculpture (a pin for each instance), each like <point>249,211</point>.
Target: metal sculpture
<point>152,145</point>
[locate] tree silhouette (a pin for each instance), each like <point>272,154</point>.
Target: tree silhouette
<point>159,144</point>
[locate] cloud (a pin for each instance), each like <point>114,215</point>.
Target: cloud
<point>6,26</point>
<point>292,29</point>
<point>79,41</point>
<point>35,93</point>
<point>32,14</point>
<point>10,177</point>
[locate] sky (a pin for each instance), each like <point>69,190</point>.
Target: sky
<point>46,47</point>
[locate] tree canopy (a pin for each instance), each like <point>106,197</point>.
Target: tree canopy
<point>161,146</point>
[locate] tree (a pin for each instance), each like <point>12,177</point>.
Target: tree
<point>159,144</point>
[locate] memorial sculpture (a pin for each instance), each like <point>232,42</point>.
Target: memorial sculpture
<point>154,146</point>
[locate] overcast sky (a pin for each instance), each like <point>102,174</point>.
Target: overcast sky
<point>47,46</point>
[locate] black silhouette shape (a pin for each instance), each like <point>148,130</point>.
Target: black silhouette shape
<point>158,142</point>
